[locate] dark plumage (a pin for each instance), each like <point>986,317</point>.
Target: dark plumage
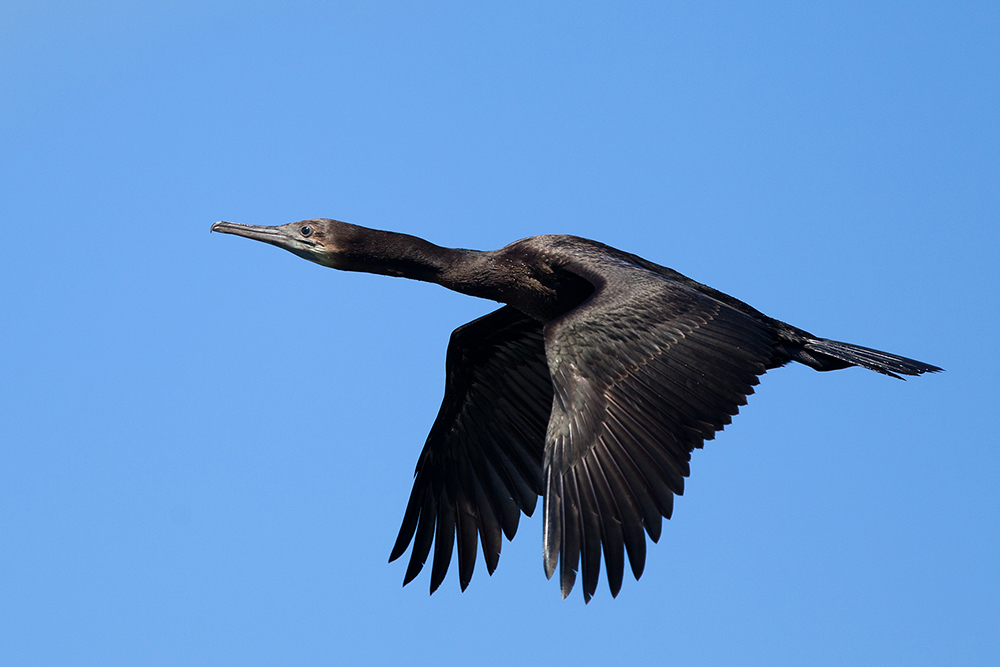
<point>590,387</point>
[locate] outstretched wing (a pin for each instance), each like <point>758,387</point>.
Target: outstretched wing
<point>644,371</point>
<point>481,464</point>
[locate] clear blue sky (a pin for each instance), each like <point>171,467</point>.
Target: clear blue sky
<point>206,444</point>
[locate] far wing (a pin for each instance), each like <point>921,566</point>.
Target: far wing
<point>644,371</point>
<point>481,464</point>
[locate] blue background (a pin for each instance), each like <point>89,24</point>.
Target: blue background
<point>206,444</point>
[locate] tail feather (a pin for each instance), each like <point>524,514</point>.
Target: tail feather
<point>876,360</point>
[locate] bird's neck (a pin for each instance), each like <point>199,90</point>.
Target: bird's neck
<point>392,254</point>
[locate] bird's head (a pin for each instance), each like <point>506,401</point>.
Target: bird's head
<point>319,240</point>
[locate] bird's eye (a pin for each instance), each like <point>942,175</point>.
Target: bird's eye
<point>306,230</point>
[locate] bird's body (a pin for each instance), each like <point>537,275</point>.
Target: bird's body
<point>590,387</point>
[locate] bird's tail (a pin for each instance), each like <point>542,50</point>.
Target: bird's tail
<point>830,352</point>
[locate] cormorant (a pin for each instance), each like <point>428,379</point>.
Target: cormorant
<point>590,386</point>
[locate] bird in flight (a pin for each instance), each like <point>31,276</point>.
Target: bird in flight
<point>591,386</point>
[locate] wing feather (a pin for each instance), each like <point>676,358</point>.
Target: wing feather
<point>482,463</point>
<point>611,524</point>
<point>590,527</point>
<point>644,371</point>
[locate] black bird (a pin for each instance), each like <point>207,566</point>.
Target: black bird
<point>591,387</point>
